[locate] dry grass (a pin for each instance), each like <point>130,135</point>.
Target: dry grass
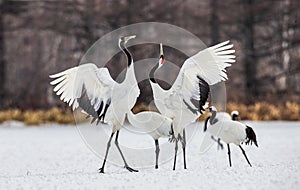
<point>259,111</point>
<point>266,112</point>
<point>30,117</point>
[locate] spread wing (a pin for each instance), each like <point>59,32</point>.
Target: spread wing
<point>205,68</point>
<point>85,86</point>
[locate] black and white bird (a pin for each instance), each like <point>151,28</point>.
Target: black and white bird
<point>153,123</point>
<point>231,131</point>
<point>99,96</point>
<point>222,116</point>
<point>235,115</point>
<point>184,101</point>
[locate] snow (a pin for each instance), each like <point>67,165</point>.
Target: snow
<point>56,157</point>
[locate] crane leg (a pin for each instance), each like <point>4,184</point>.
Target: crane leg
<point>245,155</point>
<point>126,165</point>
<point>100,109</point>
<point>218,141</point>
<point>102,116</point>
<point>156,153</point>
<point>220,144</point>
<point>176,148</point>
<point>183,142</point>
<point>229,155</point>
<point>101,170</point>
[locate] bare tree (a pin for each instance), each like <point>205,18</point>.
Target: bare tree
<point>39,38</point>
<point>214,22</point>
<point>2,53</point>
<point>250,59</point>
<point>6,8</point>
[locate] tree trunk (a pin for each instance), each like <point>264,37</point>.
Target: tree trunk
<point>283,81</point>
<point>249,59</point>
<point>2,60</point>
<point>214,22</point>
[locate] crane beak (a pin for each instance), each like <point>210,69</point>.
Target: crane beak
<point>129,37</point>
<point>161,50</point>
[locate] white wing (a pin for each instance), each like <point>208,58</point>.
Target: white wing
<point>205,68</point>
<point>211,63</point>
<point>84,86</point>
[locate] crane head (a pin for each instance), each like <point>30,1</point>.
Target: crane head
<point>235,115</point>
<point>213,109</point>
<point>161,57</point>
<point>125,39</point>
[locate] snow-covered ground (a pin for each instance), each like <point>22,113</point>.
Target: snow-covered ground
<point>55,157</point>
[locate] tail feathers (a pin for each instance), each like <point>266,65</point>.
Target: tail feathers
<point>251,136</point>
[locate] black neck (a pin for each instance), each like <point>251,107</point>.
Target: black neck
<point>212,118</point>
<point>151,74</point>
<point>128,55</point>
<point>205,124</point>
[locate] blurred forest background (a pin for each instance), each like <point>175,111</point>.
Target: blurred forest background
<point>38,38</point>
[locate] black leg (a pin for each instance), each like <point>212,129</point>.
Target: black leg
<point>229,155</point>
<point>156,153</point>
<point>171,135</point>
<point>183,142</point>
<point>220,144</point>
<point>176,148</point>
<point>101,170</point>
<point>213,138</point>
<point>245,155</point>
<point>126,165</point>
<point>218,141</point>
<point>102,116</point>
<point>100,109</point>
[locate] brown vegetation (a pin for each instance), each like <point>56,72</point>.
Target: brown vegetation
<point>259,111</point>
<point>37,117</point>
<point>265,111</point>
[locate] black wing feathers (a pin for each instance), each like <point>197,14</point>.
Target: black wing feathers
<point>204,92</point>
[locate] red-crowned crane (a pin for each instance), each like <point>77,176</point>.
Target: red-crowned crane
<point>205,68</point>
<point>155,124</point>
<point>99,96</point>
<point>231,131</point>
<point>222,116</point>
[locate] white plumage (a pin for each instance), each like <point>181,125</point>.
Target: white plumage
<point>153,123</point>
<point>98,95</point>
<point>230,131</point>
<point>209,65</point>
<point>222,116</point>
<point>96,82</point>
<point>205,68</point>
